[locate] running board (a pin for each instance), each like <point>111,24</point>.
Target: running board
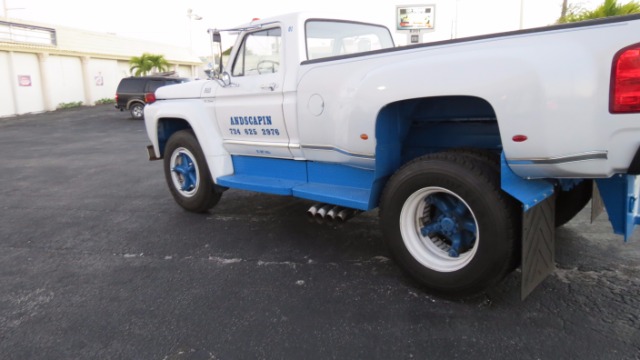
<point>347,196</point>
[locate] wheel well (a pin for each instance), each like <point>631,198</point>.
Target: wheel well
<point>133,102</point>
<point>412,128</point>
<point>167,127</point>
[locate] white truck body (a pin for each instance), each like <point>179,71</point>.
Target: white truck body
<point>335,127</point>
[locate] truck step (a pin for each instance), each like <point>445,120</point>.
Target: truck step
<point>347,196</point>
<point>269,185</point>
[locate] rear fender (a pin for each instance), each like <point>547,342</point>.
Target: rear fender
<point>134,101</point>
<point>619,193</point>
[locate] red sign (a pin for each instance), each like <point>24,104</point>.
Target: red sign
<point>24,80</point>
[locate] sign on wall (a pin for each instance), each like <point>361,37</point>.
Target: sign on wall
<point>99,79</point>
<point>415,17</point>
<point>24,80</point>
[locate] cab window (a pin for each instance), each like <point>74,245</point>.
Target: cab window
<point>259,53</point>
<point>328,38</point>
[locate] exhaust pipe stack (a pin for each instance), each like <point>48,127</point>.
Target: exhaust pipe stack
<point>346,214</point>
<point>311,213</point>
<point>323,213</point>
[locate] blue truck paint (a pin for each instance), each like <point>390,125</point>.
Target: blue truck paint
<point>453,219</point>
<point>618,193</point>
<point>187,171</point>
<point>329,183</point>
<point>167,127</point>
<point>528,192</point>
<point>621,201</point>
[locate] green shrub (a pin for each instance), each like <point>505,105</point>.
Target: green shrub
<point>70,105</point>
<point>105,101</point>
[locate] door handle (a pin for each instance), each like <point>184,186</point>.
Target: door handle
<point>270,87</point>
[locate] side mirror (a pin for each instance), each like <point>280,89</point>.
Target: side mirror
<point>215,36</point>
<point>216,54</point>
<point>226,78</point>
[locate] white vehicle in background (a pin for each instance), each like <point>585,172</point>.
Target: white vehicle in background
<point>473,149</point>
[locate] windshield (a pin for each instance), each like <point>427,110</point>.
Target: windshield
<point>326,38</point>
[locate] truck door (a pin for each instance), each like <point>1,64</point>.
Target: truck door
<point>250,110</point>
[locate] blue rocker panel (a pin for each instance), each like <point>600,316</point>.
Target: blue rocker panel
<point>322,182</point>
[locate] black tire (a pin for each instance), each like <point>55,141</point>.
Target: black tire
<point>471,187</point>
<point>491,158</point>
<point>137,111</point>
<point>187,173</point>
<point>569,203</point>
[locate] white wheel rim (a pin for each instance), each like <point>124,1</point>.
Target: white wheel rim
<point>185,174</point>
<point>433,252</point>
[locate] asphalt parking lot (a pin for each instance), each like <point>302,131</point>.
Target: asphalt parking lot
<point>98,262</point>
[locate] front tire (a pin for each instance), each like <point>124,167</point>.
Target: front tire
<point>187,173</point>
<point>448,224</point>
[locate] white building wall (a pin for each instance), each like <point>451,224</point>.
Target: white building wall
<point>65,74</point>
<point>123,69</point>
<point>80,66</point>
<point>7,106</point>
<point>184,71</point>
<point>105,77</point>
<point>27,82</point>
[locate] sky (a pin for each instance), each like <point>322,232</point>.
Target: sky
<point>167,21</point>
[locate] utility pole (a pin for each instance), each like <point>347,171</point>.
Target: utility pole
<point>191,17</point>
<point>521,14</point>
<point>565,7</point>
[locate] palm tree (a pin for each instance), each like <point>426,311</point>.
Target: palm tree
<point>146,63</point>
<point>608,8</point>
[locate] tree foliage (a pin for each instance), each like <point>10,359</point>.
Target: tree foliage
<point>608,8</point>
<point>142,65</point>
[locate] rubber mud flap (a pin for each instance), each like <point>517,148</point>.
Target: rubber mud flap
<point>538,244</point>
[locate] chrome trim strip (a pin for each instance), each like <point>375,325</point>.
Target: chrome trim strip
<point>255,143</point>
<point>592,155</point>
<point>341,151</point>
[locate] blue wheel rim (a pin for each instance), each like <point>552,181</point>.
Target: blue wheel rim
<point>439,229</point>
<point>184,172</point>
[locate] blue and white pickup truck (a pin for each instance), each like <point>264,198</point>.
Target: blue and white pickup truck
<point>474,149</point>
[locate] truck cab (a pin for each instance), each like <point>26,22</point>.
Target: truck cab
<point>263,74</point>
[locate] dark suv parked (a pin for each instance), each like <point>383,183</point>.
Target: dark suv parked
<point>131,91</point>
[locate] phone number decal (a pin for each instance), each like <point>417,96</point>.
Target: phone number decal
<point>254,132</point>
<point>252,121</point>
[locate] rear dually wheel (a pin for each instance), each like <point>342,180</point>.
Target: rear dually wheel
<point>448,224</point>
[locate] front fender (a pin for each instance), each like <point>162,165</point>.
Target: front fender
<point>199,115</point>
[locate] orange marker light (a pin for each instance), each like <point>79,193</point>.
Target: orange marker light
<point>364,137</point>
<point>519,138</point>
